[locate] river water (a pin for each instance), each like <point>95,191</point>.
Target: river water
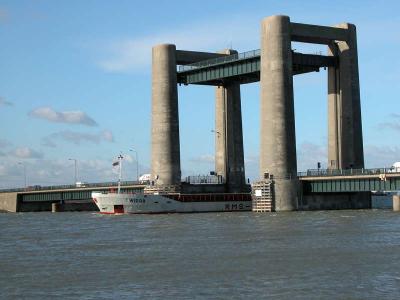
<point>299,255</point>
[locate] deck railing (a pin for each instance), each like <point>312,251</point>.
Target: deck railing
<point>347,172</point>
<point>220,60</point>
<point>68,186</point>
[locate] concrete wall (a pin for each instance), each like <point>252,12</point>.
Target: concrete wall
<point>9,202</point>
<point>396,202</point>
<point>328,201</point>
<point>47,206</point>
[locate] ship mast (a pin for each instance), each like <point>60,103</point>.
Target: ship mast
<point>120,157</point>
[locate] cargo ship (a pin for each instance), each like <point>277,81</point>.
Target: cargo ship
<point>140,203</point>
<point>156,202</point>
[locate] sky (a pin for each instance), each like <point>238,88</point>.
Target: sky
<point>75,84</point>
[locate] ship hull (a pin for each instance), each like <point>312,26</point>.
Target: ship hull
<point>153,204</point>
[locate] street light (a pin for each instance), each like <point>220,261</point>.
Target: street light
<point>137,164</point>
<point>76,171</point>
<point>23,164</point>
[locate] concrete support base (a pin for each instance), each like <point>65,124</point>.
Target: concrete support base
<point>9,202</point>
<point>285,194</point>
<point>331,201</point>
<point>58,207</point>
<point>396,202</point>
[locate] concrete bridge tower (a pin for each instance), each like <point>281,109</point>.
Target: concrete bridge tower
<point>278,139</point>
<point>229,156</point>
<point>165,163</point>
<point>278,142</point>
<point>345,142</point>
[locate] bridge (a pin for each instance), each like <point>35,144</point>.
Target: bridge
<point>38,198</point>
<point>274,66</point>
<point>245,68</point>
<point>347,184</point>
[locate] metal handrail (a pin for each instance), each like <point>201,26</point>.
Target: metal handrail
<point>220,60</point>
<point>205,179</point>
<point>224,59</point>
<point>69,186</point>
<point>347,172</point>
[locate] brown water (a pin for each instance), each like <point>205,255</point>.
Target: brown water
<point>300,255</point>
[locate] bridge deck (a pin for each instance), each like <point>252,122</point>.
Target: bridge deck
<point>244,68</point>
<point>342,181</point>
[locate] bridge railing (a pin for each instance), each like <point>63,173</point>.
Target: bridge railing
<point>347,172</point>
<point>220,60</point>
<point>68,186</point>
<point>205,179</point>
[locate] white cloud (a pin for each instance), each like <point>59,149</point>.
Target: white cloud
<point>205,158</point>
<point>4,102</point>
<point>108,136</point>
<point>394,115</point>
<point>4,143</point>
<point>130,54</point>
<point>77,138</point>
<point>69,117</point>
<point>393,124</point>
<point>4,15</point>
<point>381,156</point>
<point>309,154</point>
<point>26,152</point>
<point>128,158</point>
<point>61,171</point>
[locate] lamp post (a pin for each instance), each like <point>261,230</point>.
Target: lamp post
<point>76,170</point>
<point>23,164</point>
<point>120,158</point>
<point>224,171</point>
<point>137,164</point>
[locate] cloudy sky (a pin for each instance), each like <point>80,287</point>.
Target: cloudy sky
<point>75,83</point>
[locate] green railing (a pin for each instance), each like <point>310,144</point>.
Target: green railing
<point>220,60</point>
<point>348,172</point>
<point>70,186</point>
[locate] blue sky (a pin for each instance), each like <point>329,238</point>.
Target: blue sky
<point>75,82</point>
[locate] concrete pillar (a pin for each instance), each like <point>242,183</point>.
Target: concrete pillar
<point>345,142</point>
<point>396,202</point>
<point>165,155</point>
<point>229,157</point>
<point>57,207</point>
<point>278,141</point>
